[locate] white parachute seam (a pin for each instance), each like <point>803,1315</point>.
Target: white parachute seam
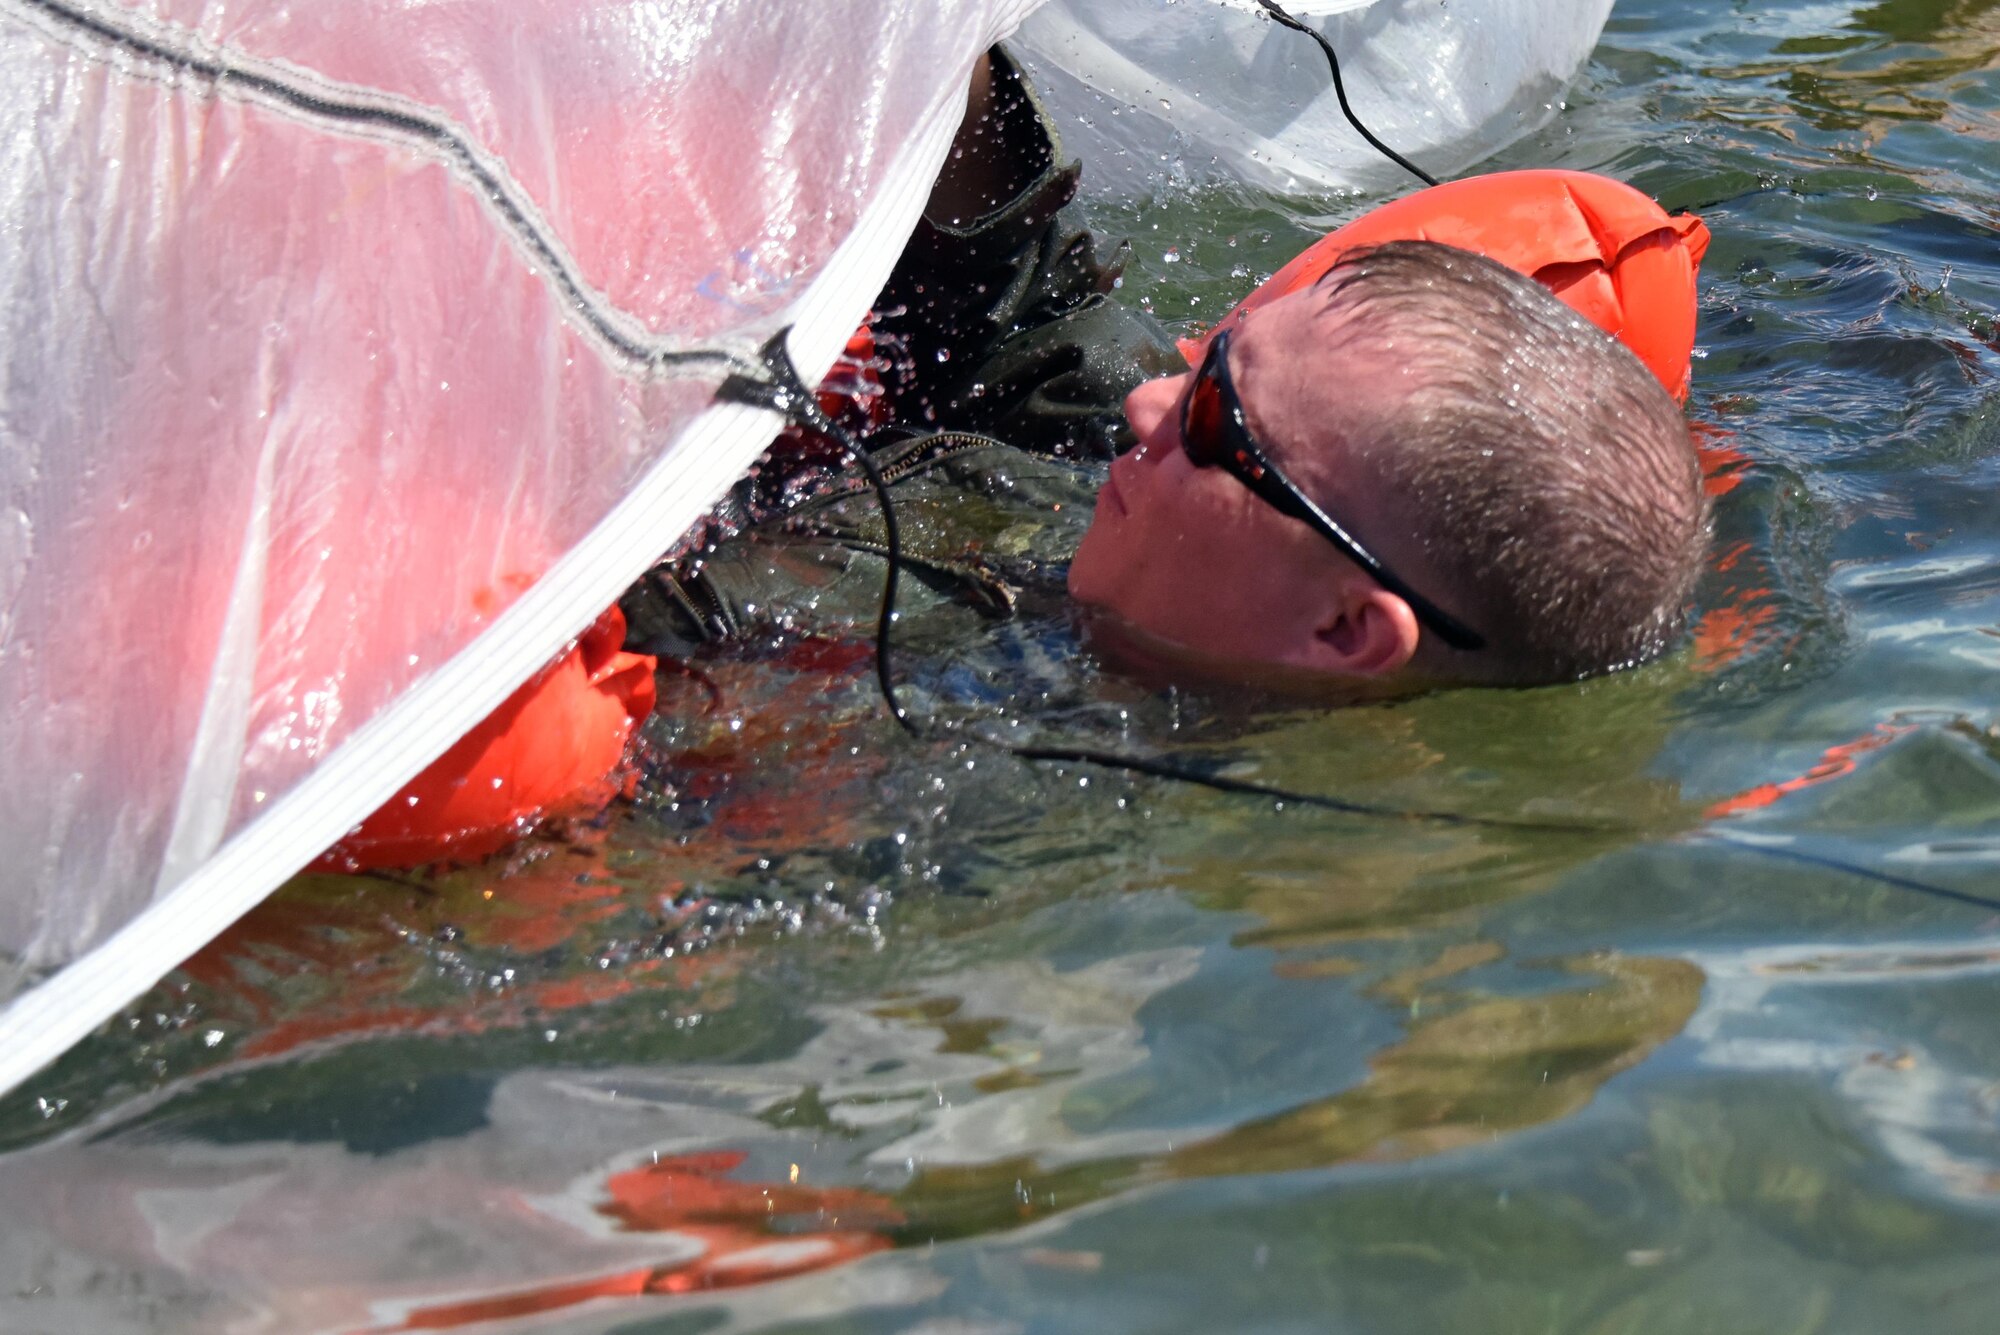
<point>372,114</point>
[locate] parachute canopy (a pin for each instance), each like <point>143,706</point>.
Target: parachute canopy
<point>357,356</point>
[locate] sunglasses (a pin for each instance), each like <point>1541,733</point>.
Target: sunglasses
<point>1214,435</point>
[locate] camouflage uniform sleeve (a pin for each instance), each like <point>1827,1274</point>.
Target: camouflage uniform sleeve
<point>1007,327</point>
<point>981,522</point>
<point>1004,330</point>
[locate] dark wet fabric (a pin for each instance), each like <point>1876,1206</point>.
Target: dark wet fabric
<point>1003,337</point>
<point>981,521</point>
<point>1008,327</point>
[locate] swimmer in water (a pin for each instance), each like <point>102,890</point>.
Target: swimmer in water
<point>1421,470</point>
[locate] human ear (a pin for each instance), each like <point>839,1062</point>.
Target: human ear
<point>1372,633</point>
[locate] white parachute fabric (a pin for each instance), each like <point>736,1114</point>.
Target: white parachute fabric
<point>1192,93</point>
<point>356,356</point>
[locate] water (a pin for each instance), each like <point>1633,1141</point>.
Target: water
<point>831,1033</point>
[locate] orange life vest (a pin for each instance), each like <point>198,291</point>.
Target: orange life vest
<point>555,748</point>
<point>1611,253</point>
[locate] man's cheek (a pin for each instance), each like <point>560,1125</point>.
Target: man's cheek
<point>1089,569</point>
<point>1115,561</point>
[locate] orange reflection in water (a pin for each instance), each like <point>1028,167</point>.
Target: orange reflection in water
<point>747,1233</point>
<point>1745,618</point>
<point>1836,762</point>
<point>1722,465</point>
<point>310,969</point>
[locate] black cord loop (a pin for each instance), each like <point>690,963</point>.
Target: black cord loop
<point>786,393</point>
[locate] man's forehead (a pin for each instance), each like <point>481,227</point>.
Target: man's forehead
<point>1320,388</point>
<point>1306,353</point>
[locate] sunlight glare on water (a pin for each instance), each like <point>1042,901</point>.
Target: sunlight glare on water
<point>827,1031</point>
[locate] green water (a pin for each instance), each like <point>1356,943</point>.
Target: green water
<point>826,1032</point>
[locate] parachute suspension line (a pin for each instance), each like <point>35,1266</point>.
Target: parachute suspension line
<point>786,394</point>
<point>1340,90</point>
<point>370,112</point>
<point>1793,854</point>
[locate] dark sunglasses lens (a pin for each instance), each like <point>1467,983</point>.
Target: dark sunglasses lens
<point>1202,417</point>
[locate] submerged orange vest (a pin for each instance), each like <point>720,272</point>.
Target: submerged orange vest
<point>555,748</point>
<point>1611,253</point>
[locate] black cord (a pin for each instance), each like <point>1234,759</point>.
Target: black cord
<point>1783,853</point>
<point>786,394</point>
<point>1159,769</point>
<point>1340,91</point>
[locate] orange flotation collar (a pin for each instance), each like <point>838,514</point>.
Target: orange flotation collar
<point>556,748</point>
<point>1611,253</point>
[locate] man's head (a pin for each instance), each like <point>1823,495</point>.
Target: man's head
<point>1505,460</point>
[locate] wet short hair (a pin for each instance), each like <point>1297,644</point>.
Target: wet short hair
<point>1549,477</point>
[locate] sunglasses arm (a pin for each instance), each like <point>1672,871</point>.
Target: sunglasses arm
<point>1272,486</point>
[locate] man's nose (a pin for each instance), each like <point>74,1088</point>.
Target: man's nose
<point>1150,407</point>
